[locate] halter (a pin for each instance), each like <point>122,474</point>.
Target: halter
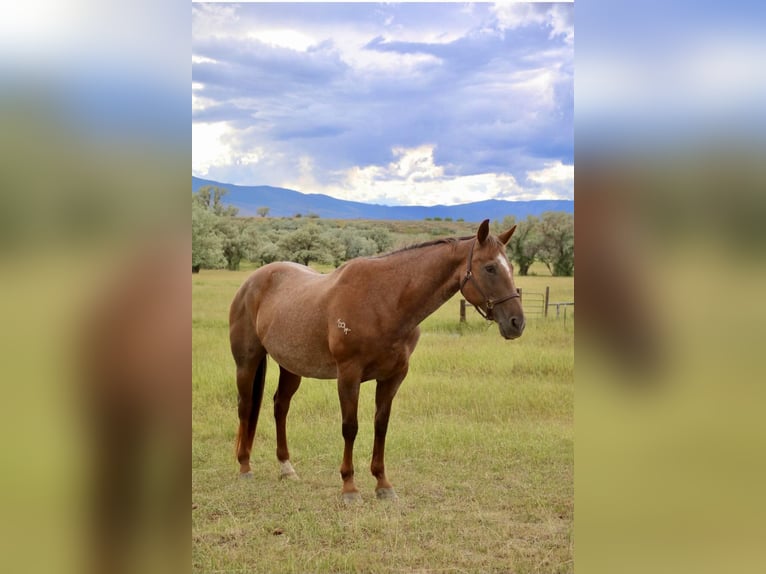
<point>488,303</point>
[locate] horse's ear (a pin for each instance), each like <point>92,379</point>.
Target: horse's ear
<point>483,231</point>
<point>506,237</point>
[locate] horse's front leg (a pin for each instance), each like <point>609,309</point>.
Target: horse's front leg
<point>384,396</point>
<point>348,392</point>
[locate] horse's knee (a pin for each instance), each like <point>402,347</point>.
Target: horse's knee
<point>350,429</point>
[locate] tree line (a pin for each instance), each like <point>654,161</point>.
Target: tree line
<point>221,240</point>
<point>548,239</point>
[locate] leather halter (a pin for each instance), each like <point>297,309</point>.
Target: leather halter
<point>488,303</point>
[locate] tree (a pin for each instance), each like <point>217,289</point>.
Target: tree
<point>263,211</point>
<point>557,247</point>
<point>219,239</point>
<point>266,251</point>
<point>210,197</point>
<point>525,243</point>
<point>207,243</point>
<point>332,248</point>
<point>381,237</point>
<point>354,244</point>
<point>238,239</point>
<point>304,245</point>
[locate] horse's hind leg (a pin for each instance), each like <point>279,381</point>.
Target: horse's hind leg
<point>288,384</point>
<point>251,376</point>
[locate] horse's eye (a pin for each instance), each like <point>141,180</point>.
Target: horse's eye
<point>490,269</point>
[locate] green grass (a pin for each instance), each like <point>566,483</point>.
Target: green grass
<point>480,450</point>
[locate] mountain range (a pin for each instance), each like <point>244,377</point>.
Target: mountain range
<point>284,202</point>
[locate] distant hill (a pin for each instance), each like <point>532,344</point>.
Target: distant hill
<point>287,203</point>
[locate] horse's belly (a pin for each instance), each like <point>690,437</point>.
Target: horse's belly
<point>300,354</point>
<point>305,365</point>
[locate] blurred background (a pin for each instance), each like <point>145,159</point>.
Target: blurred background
<point>670,212</point>
<point>94,211</point>
<point>95,329</point>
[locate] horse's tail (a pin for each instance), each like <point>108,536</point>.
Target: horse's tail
<point>256,398</point>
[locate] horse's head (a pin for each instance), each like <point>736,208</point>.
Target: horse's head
<point>488,282</point>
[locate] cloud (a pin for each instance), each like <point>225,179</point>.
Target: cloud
<point>558,17</point>
<point>367,99</point>
<point>284,38</point>
<point>413,177</point>
<point>554,181</point>
<point>415,164</point>
<point>209,147</point>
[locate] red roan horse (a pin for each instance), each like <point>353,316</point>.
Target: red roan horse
<point>358,323</point>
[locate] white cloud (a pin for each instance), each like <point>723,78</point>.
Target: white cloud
<point>202,60</point>
<point>368,102</point>
<point>213,146</point>
<point>414,179</point>
<point>284,38</point>
<point>208,147</point>
<point>536,86</point>
<point>415,164</point>
<point>198,103</point>
<point>213,19</point>
<point>554,181</point>
<point>561,23</point>
<point>554,172</point>
<point>558,17</point>
<point>511,15</point>
<point>371,63</point>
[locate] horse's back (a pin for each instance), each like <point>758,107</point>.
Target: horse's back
<point>282,308</point>
<point>271,287</point>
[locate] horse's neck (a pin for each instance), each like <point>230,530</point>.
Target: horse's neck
<point>431,277</point>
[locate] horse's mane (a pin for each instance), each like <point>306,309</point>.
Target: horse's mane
<point>445,240</point>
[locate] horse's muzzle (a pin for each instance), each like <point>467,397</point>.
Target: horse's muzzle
<point>513,327</point>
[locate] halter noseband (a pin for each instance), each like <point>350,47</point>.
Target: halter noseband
<point>488,303</point>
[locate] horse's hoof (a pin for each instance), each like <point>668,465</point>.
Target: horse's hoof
<point>246,475</point>
<point>386,494</point>
<point>350,498</point>
<point>287,471</point>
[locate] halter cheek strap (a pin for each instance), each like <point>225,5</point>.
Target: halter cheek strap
<point>488,303</point>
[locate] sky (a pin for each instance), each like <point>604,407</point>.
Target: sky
<point>396,104</point>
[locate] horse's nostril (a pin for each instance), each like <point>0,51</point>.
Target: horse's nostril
<point>517,323</point>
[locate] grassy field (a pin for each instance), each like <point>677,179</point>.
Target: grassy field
<point>480,450</point>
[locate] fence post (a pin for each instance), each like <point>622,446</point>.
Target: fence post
<point>518,289</point>
<point>547,298</point>
<point>462,310</point>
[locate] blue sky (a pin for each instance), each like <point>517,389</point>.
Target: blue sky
<point>386,103</point>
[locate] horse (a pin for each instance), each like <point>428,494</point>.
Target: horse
<point>355,324</point>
